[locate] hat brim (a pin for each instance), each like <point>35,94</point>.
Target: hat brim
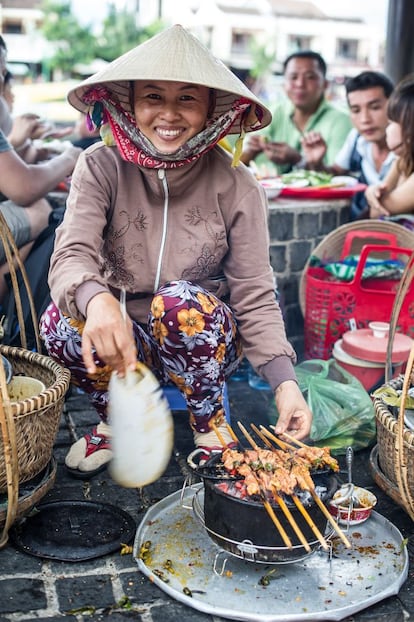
<point>173,55</point>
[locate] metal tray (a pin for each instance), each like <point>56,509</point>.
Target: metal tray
<point>322,587</point>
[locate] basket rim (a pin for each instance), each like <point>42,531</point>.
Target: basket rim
<point>383,413</point>
<point>49,396</point>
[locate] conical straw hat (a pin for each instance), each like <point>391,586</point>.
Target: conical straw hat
<point>174,55</point>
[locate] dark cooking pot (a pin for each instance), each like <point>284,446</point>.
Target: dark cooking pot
<point>231,521</point>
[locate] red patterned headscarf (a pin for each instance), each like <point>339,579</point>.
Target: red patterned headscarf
<point>118,127</point>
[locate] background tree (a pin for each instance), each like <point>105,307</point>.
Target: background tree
<point>120,33</point>
<point>72,43</point>
<point>263,58</point>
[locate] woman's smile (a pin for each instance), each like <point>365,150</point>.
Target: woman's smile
<point>170,113</point>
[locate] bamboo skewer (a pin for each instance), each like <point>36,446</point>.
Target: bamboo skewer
<point>279,499</point>
<point>266,503</point>
<point>293,439</point>
<point>219,435</point>
<point>295,498</point>
<point>268,507</point>
<point>281,444</point>
<point>276,522</point>
<point>318,501</point>
<point>232,433</point>
<point>331,520</point>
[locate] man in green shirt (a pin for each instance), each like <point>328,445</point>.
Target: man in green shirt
<point>278,149</point>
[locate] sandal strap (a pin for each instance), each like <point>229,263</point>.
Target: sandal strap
<point>95,442</point>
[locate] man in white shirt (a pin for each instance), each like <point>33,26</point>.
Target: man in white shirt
<point>365,153</point>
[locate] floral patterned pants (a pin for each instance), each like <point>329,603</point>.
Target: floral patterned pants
<point>191,340</point>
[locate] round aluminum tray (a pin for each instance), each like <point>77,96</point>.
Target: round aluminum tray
<point>322,587</point>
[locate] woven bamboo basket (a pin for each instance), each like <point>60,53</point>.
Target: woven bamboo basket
<point>29,426</point>
<point>36,419</point>
<point>392,460</point>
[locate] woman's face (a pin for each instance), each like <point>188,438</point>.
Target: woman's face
<point>394,137</point>
<point>170,113</point>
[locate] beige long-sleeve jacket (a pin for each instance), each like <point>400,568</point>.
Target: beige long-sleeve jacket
<point>139,228</point>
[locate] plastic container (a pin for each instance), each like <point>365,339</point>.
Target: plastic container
<point>363,353</point>
<point>369,374</point>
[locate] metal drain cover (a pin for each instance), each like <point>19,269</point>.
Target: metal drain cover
<point>73,530</point>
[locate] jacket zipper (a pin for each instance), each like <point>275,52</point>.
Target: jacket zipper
<point>162,177</point>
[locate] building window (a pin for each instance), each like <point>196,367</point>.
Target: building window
<point>347,48</point>
<point>240,42</point>
<point>298,42</point>
<point>12,28</point>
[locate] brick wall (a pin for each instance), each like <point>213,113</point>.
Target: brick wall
<point>296,227</point>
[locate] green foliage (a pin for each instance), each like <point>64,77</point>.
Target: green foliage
<point>120,34</point>
<point>262,58</point>
<point>73,43</point>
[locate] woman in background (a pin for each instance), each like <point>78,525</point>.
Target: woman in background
<point>393,199</point>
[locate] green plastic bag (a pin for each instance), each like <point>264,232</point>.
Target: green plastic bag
<point>343,412</point>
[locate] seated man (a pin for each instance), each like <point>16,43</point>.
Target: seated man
<point>279,148</point>
<point>365,153</point>
<point>27,211</point>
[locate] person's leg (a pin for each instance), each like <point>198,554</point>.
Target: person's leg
<point>25,224</point>
<point>199,348</point>
<point>193,342</point>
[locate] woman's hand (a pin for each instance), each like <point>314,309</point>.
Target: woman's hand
<point>108,334</point>
<point>373,195</point>
<point>295,417</point>
<point>22,129</point>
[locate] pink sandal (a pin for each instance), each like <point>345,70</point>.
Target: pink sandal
<point>95,441</point>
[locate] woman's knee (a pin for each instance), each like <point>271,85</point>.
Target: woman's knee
<point>60,336</point>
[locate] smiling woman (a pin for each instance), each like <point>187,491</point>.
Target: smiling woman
<point>170,113</point>
<point>177,223</point>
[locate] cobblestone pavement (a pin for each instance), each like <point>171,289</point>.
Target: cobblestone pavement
<point>111,586</point>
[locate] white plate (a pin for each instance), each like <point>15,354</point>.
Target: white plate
<point>299,183</point>
<point>346,180</point>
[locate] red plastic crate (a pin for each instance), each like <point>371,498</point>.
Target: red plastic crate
<point>332,305</point>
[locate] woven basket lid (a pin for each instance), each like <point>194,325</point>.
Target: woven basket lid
<point>330,248</point>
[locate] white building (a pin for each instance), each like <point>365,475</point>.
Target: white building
<point>228,27</point>
<point>282,26</point>
<point>19,24</point>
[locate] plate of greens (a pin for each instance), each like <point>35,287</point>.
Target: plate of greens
<point>306,184</point>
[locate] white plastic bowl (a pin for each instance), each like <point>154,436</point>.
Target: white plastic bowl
<point>272,186</point>
<point>356,514</point>
<point>23,387</point>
